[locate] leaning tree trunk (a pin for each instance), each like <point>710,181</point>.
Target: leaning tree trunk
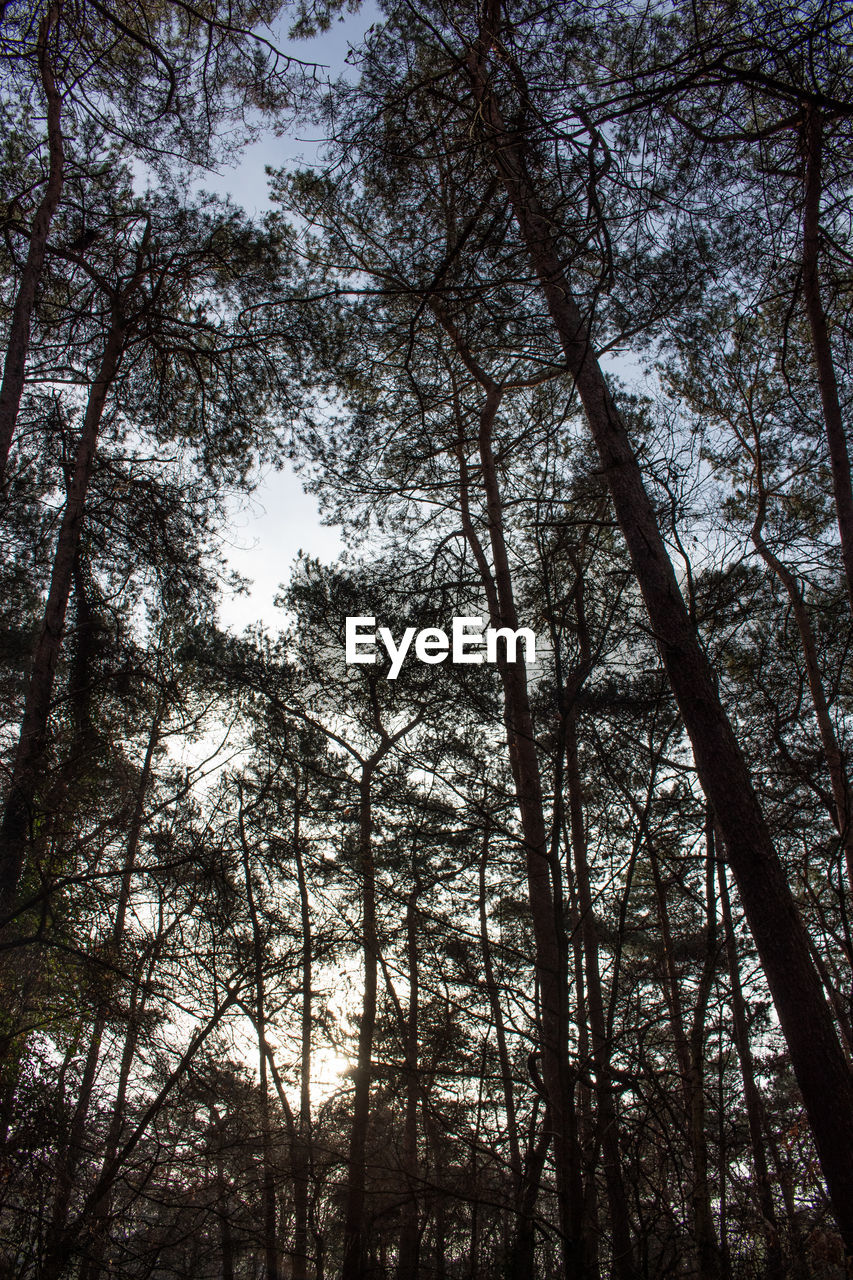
<point>29,756</point>
<point>95,1217</point>
<point>95,1207</point>
<point>780,937</point>
<point>18,341</point>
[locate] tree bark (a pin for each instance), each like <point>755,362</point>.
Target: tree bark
<point>839,455</point>
<point>624,1266</point>
<point>267,1170</point>
<point>545,907</point>
<point>355,1250</point>
<point>710,1256</point>
<point>543,870</point>
<point>751,1096</point>
<point>301,1154</point>
<point>18,812</point>
<point>804,1015</point>
<point>498,1021</point>
<point>18,343</point>
<point>835,763</point>
<point>522,1262</point>
<point>75,1144</point>
<point>409,1243</point>
<point>690,1071</point>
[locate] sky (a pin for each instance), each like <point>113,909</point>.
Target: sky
<point>266,533</point>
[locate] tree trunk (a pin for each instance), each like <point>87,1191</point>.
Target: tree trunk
<point>74,1148</point>
<point>523,1256</point>
<point>354,1225</point>
<point>690,1071</point>
<point>407,1253</point>
<point>440,1241</point>
<point>624,1266</point>
<point>498,1021</point>
<point>226,1240</point>
<point>475,1235</point>
<point>301,1154</point>
<point>839,456</point>
<point>710,1258</point>
<point>832,752</point>
<point>543,880</point>
<point>18,342</point>
<point>95,1207</point>
<point>18,813</point>
<point>751,1097</point>
<point>267,1170</point>
<point>804,1015</point>
<point>543,876</point>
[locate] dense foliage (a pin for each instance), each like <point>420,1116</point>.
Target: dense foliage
<point>527,969</point>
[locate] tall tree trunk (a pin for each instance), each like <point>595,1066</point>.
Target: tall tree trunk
<point>95,1207</point>
<point>440,1240</point>
<point>355,1251</point>
<point>522,1263</point>
<point>692,1090</point>
<point>800,1269</point>
<point>527,1175</point>
<point>407,1253</point>
<point>624,1266</point>
<point>710,1258</point>
<point>476,1215</point>
<point>18,342</point>
<point>543,870</point>
<point>226,1239</point>
<point>751,1097</point>
<point>804,1015</point>
<point>723,1152</point>
<point>67,1165</point>
<point>589,1136</point>
<point>543,879</point>
<point>18,811</point>
<point>839,455</point>
<point>833,755</point>
<point>267,1170</point>
<point>301,1152</point>
<point>498,1020</point>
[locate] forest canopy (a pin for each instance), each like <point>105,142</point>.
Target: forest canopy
<point>537,967</point>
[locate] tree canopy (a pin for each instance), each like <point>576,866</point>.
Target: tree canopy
<point>532,967</point>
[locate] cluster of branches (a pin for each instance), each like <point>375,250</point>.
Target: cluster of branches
<point>541,969</point>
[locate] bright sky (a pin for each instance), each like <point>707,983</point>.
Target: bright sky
<point>265,536</point>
